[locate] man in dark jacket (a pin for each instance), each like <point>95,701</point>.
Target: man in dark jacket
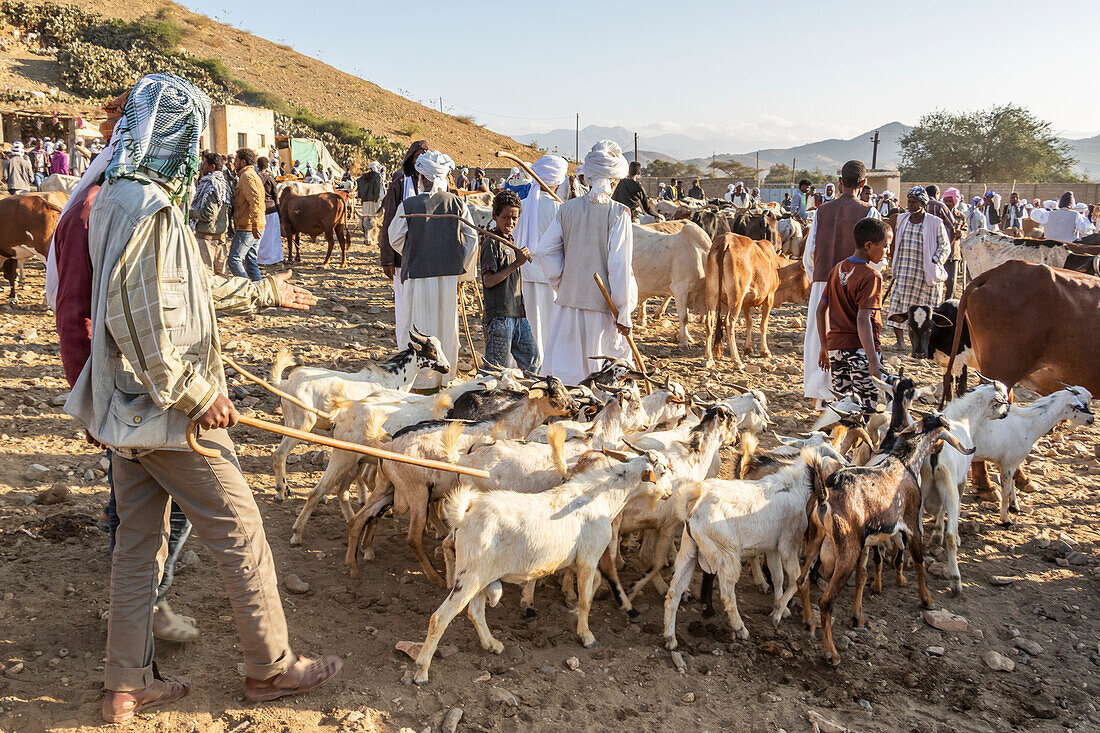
<point>696,191</point>
<point>630,194</point>
<point>405,184</point>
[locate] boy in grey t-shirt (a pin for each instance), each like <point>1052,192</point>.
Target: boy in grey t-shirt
<point>507,331</point>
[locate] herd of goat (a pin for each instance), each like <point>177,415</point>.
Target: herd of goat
<point>574,469</point>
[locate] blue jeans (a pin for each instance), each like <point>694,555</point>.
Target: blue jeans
<point>506,337</point>
<point>180,530</point>
<point>38,178</point>
<point>242,256</point>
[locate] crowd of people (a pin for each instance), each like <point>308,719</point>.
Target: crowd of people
<point>26,165</point>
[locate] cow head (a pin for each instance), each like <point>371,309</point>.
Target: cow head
<point>428,352</point>
<point>921,320</point>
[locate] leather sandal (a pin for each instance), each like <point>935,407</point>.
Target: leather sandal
<point>170,626</point>
<point>316,673</point>
<point>118,707</point>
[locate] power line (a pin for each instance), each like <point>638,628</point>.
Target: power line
<point>510,117</point>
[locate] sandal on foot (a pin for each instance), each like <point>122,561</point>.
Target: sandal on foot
<point>316,673</point>
<point>118,707</point>
<point>170,626</point>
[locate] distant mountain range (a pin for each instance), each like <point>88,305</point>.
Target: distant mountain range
<point>828,155</point>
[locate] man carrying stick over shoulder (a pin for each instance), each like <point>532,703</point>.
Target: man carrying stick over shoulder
<point>154,368</point>
<point>590,235</point>
<point>435,250</point>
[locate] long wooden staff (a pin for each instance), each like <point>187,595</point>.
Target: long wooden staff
<point>524,166</point>
<point>272,388</point>
<point>615,315</point>
<point>466,327</point>
<point>333,443</point>
<point>475,227</point>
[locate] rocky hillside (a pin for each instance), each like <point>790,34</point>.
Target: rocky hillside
<point>87,48</point>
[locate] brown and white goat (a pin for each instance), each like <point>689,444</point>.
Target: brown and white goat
<point>859,506</point>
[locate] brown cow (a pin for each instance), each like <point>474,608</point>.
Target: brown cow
<point>743,274</point>
<point>27,222</point>
<point>1031,325</point>
<point>794,286</point>
<point>321,213</point>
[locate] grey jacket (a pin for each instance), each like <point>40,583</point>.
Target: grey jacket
<point>210,205</point>
<point>18,174</point>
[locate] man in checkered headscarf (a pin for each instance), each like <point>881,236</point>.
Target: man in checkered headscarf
<point>153,373</point>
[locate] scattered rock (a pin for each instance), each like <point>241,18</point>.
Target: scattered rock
<point>190,558</point>
<point>446,651</point>
<point>776,648</point>
<point>341,309</point>
<point>678,662</point>
<point>688,698</point>
<point>751,369</point>
<point>499,694</point>
<point>1077,558</point>
<point>295,585</point>
<point>792,369</point>
<point>822,724</point>
<point>911,680</point>
<point>483,677</point>
<point>104,463</point>
<point>944,620</point>
<point>997,661</point>
<point>89,475</point>
<point>59,400</point>
<point>1061,562</point>
<point>573,663</point>
<point>1002,580</point>
<point>935,651</point>
<point>36,471</point>
<point>56,494</point>
<point>15,668</point>
<point>293,459</point>
<point>230,345</point>
<point>1031,647</point>
<point>450,723</point>
<point>411,648</point>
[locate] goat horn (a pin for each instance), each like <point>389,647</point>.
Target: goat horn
<point>604,358</point>
<point>709,391</point>
<point>954,442</point>
<point>618,455</point>
<point>863,435</point>
<point>737,386</point>
<point>633,447</point>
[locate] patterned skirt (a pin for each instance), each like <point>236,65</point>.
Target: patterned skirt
<point>909,287</point>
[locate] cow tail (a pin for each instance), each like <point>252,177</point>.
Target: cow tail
<point>960,326</point>
<point>719,326</point>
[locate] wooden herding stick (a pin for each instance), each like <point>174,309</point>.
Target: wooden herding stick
<point>615,315</point>
<point>524,166</point>
<point>272,388</point>
<point>332,443</point>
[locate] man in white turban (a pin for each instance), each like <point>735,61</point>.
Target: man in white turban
<point>538,212</point>
<point>434,253</point>
<point>590,234</point>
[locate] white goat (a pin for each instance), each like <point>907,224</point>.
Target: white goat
<point>314,386</point>
<point>943,475</point>
<point>726,521</point>
<point>1007,442</point>
<point>516,538</point>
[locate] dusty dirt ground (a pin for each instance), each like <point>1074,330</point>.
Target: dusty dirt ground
<point>54,574</point>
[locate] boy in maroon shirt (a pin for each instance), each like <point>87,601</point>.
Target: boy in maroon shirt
<point>853,304</point>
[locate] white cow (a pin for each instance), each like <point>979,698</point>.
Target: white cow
<point>301,189</point>
<point>671,264</point>
<point>59,182</point>
<point>983,250</point>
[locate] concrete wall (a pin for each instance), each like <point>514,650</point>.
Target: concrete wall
<point>229,122</point>
<point>1086,192</point>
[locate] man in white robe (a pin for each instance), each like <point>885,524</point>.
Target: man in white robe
<point>538,212</point>
<point>838,217</point>
<point>590,234</point>
<point>434,253</point>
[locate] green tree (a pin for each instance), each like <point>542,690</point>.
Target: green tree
<point>732,169</point>
<point>997,144</point>
<point>669,169</point>
<point>780,174</point>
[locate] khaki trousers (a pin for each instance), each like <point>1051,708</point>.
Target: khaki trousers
<point>214,495</point>
<point>214,252</point>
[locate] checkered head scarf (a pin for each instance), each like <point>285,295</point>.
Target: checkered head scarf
<point>159,129</point>
<point>918,193</point>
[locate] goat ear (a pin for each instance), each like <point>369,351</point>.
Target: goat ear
<point>924,392</point>
<point>536,393</point>
<point>649,476</point>
<point>883,386</point>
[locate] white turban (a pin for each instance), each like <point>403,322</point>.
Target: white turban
<point>552,169</point>
<point>465,171</point>
<point>1081,206</point>
<point>375,166</point>
<point>435,166</point>
<point>729,188</point>
<point>603,164</point>
<point>739,184</point>
<point>1050,204</point>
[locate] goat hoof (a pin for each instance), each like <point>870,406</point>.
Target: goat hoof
<point>742,633</point>
<point>633,613</point>
<point>927,604</point>
<point>530,613</point>
<point>421,677</point>
<point>858,625</point>
<point>295,540</point>
<point>1008,523</point>
<point>708,611</point>
<point>589,642</point>
<point>833,660</point>
<point>670,643</point>
<point>496,647</point>
<point>956,587</point>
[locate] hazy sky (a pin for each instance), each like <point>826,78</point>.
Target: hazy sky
<point>765,73</point>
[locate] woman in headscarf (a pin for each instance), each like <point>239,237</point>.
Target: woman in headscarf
<point>402,186</point>
<point>538,211</point>
<point>590,234</point>
<point>434,253</point>
<point>921,247</point>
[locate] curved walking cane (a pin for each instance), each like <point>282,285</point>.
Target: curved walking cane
<point>192,443</point>
<point>466,327</point>
<point>629,336</point>
<point>524,166</point>
<point>272,388</point>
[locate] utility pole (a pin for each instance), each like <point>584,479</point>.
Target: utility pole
<point>577,155</point>
<point>874,151</point>
<point>757,167</point>
<point>635,147</point>
<point>794,172</point>
<point>441,105</point>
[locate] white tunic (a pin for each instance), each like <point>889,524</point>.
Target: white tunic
<point>271,243</point>
<point>1066,225</point>
<point>430,303</point>
<point>575,334</point>
<point>538,294</point>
